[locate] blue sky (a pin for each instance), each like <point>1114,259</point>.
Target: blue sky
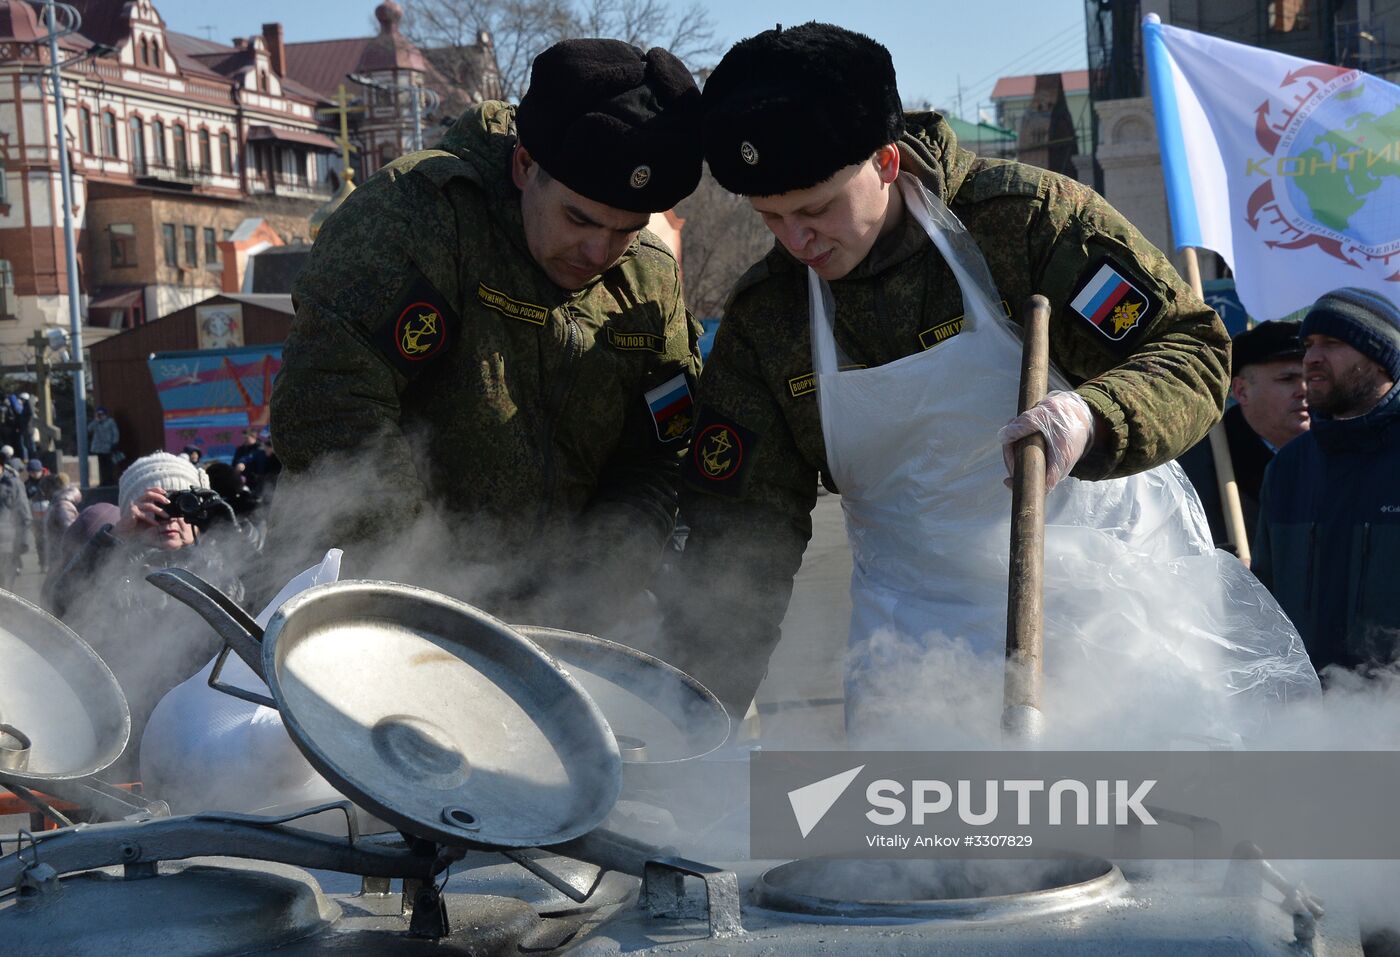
<point>937,45</point>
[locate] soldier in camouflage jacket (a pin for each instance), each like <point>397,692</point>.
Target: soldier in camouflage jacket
<point>750,481</point>
<point>491,319</point>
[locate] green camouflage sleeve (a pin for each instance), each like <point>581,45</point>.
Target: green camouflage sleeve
<point>747,495</point>
<point>337,395</point>
<point>633,512</point>
<point>1144,351</point>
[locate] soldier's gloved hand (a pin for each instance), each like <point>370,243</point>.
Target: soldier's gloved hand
<point>1068,426</point>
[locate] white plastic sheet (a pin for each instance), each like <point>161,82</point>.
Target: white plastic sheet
<point>205,750</point>
<point>1151,634</point>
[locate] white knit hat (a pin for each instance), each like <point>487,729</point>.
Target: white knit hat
<point>158,470</point>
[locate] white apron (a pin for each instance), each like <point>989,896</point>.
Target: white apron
<point>1142,615</point>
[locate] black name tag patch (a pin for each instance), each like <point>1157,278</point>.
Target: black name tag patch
<point>643,341</point>
<point>507,306</point>
<point>806,384</point>
<point>949,328</point>
<point>721,452</point>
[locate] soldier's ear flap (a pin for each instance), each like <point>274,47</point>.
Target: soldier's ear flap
<point>521,162</point>
<point>887,163</point>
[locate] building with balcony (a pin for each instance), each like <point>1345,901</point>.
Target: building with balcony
<point>174,143</point>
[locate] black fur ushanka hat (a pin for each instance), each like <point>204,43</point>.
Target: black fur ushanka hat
<point>786,109</point>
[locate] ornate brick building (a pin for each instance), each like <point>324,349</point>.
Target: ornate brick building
<point>174,143</point>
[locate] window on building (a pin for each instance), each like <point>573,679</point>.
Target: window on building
<point>167,238</point>
<point>1285,16</point>
<point>158,143</point>
<point>85,130</point>
<point>145,53</point>
<point>4,185</point>
<point>226,153</point>
<point>191,246</point>
<point>109,135</point>
<point>262,81</point>
<point>155,55</point>
<point>211,248</point>
<point>206,159</point>
<point>138,145</point>
<point>7,274</point>
<point>226,235</point>
<point>122,237</point>
<point>182,152</point>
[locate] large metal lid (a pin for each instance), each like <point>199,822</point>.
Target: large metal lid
<point>438,717</point>
<point>659,713</point>
<point>57,695</point>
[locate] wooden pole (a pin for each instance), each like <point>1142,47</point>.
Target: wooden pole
<point>1220,448</point>
<point>1021,717</point>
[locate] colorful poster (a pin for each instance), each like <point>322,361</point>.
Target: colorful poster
<point>210,398</point>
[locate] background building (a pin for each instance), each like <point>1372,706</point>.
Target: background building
<point>175,142</point>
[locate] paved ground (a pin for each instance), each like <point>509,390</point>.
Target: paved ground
<point>800,700</point>
<point>30,578</point>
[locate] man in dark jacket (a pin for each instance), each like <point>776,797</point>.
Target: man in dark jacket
<point>492,321</point>
<point>1270,410</point>
<point>1328,541</point>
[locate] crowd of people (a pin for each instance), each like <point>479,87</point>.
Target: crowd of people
<point>490,321</point>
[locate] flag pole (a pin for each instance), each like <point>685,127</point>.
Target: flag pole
<point>1220,446</point>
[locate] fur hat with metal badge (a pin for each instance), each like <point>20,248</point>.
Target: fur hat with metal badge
<point>616,125</point>
<point>787,109</point>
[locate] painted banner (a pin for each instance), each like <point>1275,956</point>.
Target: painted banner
<point>210,398</point>
<point>1288,168</point>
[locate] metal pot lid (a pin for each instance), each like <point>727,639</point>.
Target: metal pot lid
<point>953,889</point>
<point>56,696</point>
<point>437,717</point>
<point>659,713</point>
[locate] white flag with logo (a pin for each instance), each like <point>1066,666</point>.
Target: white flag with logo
<point>1288,168</point>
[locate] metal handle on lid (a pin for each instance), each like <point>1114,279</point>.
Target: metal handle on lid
<point>234,625</point>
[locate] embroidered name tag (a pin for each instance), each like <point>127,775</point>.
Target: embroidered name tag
<point>506,306</point>
<point>802,384</point>
<point>636,340</point>
<point>806,383</point>
<point>949,328</point>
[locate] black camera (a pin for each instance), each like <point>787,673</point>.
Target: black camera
<point>197,506</point>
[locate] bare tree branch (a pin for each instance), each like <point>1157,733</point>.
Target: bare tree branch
<point>521,29</point>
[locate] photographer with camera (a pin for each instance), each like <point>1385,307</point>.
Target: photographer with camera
<point>168,517</point>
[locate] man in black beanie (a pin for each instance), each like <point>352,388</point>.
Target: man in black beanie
<point>807,123</point>
<point>492,323</point>
<point>1270,410</point>
<point>1328,540</point>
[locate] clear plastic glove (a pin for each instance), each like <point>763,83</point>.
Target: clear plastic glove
<point>1067,423</point>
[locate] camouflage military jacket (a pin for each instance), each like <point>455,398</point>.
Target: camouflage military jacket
<point>427,334</point>
<point>1153,363</point>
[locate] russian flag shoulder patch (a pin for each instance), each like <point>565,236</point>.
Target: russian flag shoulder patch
<point>670,405</point>
<point>1112,303</point>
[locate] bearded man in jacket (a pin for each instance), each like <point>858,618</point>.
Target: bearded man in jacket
<point>1328,540</point>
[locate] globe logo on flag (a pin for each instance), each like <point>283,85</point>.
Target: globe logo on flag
<point>1331,173</point>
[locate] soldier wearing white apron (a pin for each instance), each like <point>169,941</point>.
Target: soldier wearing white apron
<point>872,350</point>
